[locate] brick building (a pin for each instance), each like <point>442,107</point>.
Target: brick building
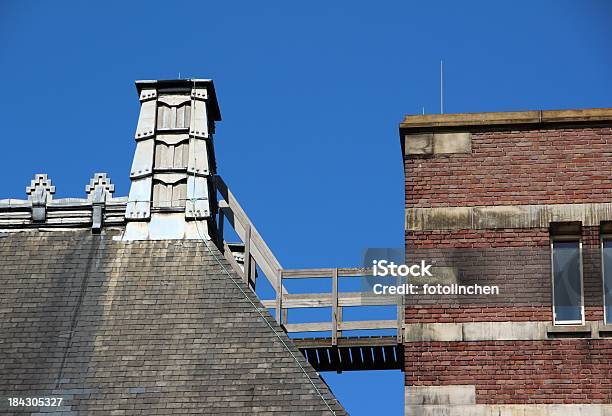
<point>522,200</point>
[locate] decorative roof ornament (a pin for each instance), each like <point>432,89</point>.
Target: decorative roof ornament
<point>41,185</point>
<point>39,193</point>
<point>98,191</point>
<point>99,188</point>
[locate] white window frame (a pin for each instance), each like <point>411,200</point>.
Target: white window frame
<point>604,237</point>
<point>553,239</point>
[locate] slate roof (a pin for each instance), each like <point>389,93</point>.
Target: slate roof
<point>140,328</point>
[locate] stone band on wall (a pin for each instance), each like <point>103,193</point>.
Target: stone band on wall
<point>437,143</point>
<point>500,331</point>
<point>510,410</point>
<point>440,395</point>
<point>505,216</point>
<point>460,400</point>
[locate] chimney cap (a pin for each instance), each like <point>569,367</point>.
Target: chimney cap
<point>185,84</point>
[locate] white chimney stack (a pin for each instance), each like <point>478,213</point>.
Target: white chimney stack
<point>172,194</point>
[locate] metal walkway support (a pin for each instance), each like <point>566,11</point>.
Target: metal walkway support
<point>352,353</point>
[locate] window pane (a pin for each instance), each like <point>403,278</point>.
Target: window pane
<point>607,265</point>
<point>567,281</point>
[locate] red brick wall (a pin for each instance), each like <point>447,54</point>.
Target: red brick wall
<point>448,313</point>
<point>516,260</point>
<point>517,372</point>
<point>509,237</point>
<point>510,167</point>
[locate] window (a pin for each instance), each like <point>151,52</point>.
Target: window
<point>606,264</point>
<point>568,306</point>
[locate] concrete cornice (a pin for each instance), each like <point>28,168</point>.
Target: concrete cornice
<point>538,117</point>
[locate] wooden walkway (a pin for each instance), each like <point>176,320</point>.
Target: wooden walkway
<point>336,352</point>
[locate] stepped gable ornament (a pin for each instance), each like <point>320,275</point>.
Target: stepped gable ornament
<point>99,188</point>
<point>98,191</point>
<point>39,185</point>
<point>39,192</point>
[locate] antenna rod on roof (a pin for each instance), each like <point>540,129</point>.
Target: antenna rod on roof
<point>441,87</point>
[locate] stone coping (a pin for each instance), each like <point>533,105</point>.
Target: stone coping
<point>543,117</point>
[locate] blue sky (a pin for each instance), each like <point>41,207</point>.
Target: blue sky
<point>311,95</point>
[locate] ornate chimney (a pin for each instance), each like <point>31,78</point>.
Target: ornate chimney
<point>172,194</point>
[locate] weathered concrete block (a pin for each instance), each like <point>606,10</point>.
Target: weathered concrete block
<point>439,218</point>
<point>418,144</point>
<point>506,216</point>
<point>503,331</point>
<point>437,143</point>
<point>448,143</point>
<point>433,332</point>
<point>446,410</point>
<point>440,395</point>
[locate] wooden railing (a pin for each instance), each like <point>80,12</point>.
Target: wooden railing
<point>257,253</point>
<point>337,300</point>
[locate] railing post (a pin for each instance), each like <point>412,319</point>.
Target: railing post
<point>285,314</point>
<point>335,307</point>
<point>339,318</point>
<point>220,229</point>
<point>279,300</point>
<point>247,253</point>
<point>252,277</point>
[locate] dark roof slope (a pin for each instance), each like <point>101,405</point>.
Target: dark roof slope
<point>151,327</point>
